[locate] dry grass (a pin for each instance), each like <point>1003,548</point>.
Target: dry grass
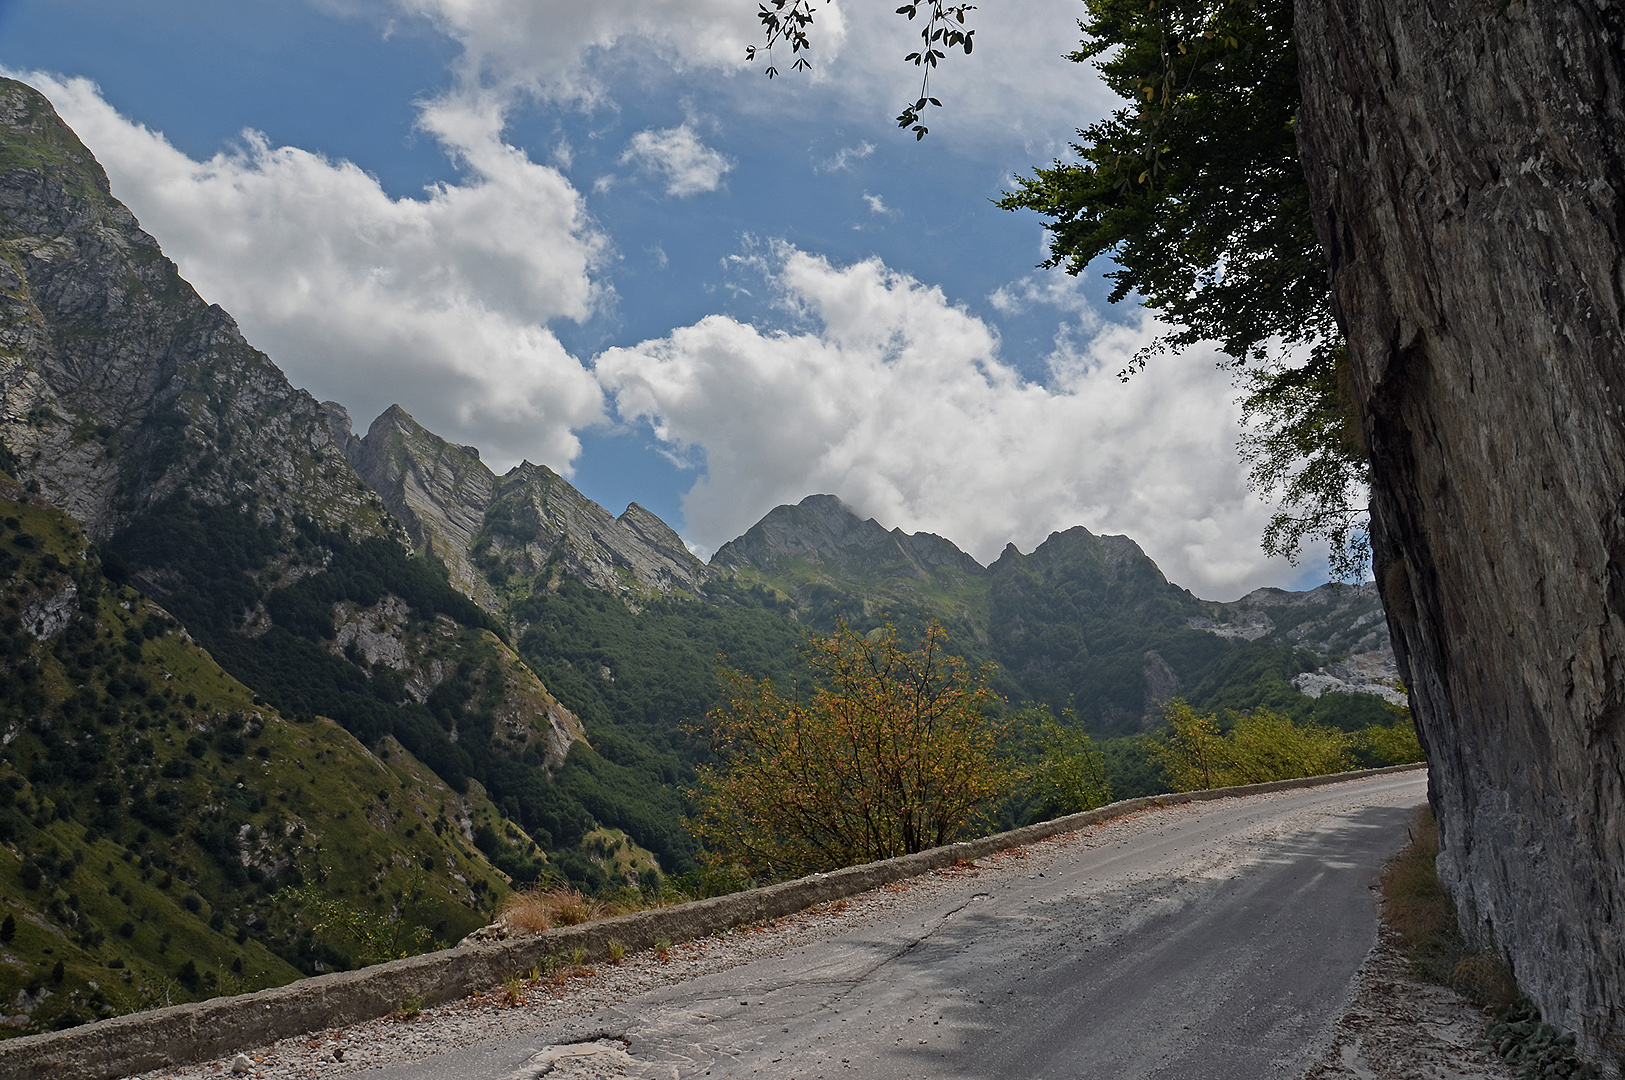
<point>1416,907</point>
<point>535,910</point>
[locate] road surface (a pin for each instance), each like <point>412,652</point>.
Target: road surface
<point>1209,942</point>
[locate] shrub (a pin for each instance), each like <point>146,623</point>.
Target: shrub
<point>535,910</point>
<point>894,753</point>
<point>1263,746</point>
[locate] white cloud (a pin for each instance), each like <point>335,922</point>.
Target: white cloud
<point>547,48</point>
<point>1016,87</point>
<point>897,401</point>
<point>877,205</point>
<point>843,158</point>
<point>1052,288</point>
<point>440,302</point>
<point>679,158</point>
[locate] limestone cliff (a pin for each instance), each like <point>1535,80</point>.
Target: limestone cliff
<point>503,536</point>
<point>822,529</point>
<point>119,385</point>
<point>131,403</point>
<point>1465,160</point>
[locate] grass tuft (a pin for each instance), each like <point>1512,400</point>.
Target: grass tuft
<point>1416,906</point>
<point>535,910</point>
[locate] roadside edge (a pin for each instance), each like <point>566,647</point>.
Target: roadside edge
<point>205,1030</point>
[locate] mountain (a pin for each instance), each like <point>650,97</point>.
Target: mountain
<point>182,454</point>
<point>1084,623</point>
<point>504,536</point>
<point>431,681</point>
<point>151,805</point>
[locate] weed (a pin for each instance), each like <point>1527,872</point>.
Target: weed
<point>662,949</point>
<point>410,1007</point>
<point>1416,907</point>
<point>513,990</point>
<point>617,951</point>
<point>1535,1049</point>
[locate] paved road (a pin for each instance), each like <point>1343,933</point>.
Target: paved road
<point>1214,942</point>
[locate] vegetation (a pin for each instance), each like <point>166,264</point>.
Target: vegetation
<point>165,835</point>
<point>1260,746</point>
<point>893,752</point>
<point>1062,771</point>
<point>1416,908</point>
<point>225,562</point>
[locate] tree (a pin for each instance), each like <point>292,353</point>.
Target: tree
<point>1193,188</point>
<point>1069,773</point>
<point>1262,746</point>
<point>893,752</point>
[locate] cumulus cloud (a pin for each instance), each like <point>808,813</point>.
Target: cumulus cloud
<point>678,157</point>
<point>1017,87</point>
<point>439,302</point>
<point>546,48</point>
<point>896,400</point>
<point>1049,288</point>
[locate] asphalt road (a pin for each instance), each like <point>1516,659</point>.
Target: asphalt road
<point>1210,942</point>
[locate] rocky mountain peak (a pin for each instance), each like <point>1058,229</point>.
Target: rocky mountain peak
<point>120,388</point>
<point>823,531</point>
<point>502,537</point>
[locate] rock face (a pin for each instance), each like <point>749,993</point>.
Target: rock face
<point>1466,164</point>
<point>502,536</point>
<point>119,385</point>
<point>138,408</point>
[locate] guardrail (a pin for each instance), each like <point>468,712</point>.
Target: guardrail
<point>205,1030</point>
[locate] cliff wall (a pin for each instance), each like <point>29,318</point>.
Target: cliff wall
<point>1465,162</point>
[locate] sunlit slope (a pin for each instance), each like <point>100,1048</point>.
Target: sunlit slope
<point>152,806</point>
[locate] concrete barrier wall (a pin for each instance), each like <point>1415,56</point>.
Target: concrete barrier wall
<point>206,1030</point>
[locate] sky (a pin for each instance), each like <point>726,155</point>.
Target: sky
<point>594,236</point>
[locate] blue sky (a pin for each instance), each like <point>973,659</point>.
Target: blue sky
<point>591,235</point>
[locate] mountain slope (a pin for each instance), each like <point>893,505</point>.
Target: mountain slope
<point>133,404</point>
<point>1083,623</point>
<point>504,536</point>
<point>152,807</point>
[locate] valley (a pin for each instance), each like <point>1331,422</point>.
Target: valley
<point>279,698</point>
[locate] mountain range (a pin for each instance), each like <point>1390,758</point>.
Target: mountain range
<point>276,697</point>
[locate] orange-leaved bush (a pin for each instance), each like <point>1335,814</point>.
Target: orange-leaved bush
<point>894,752</point>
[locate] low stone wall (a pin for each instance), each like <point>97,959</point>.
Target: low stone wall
<point>205,1030</point>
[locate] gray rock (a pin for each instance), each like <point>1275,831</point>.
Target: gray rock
<point>1466,176</point>
<point>504,536</point>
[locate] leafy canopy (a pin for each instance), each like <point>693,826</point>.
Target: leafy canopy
<point>1263,746</point>
<point>894,752</point>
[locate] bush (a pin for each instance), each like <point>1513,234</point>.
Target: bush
<point>894,753</point>
<point>1263,746</point>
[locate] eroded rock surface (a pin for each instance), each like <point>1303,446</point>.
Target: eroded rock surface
<point>503,536</point>
<point>1465,164</point>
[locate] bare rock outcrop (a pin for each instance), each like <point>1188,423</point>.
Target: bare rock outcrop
<point>504,536</point>
<point>1465,160</point>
